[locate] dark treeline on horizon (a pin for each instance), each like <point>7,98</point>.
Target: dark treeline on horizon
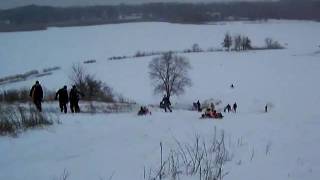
<point>40,17</point>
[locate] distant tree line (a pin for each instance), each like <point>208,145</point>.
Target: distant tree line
<point>238,42</point>
<point>39,17</point>
<point>242,43</point>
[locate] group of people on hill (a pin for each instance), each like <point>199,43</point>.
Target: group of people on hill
<point>229,109</point>
<point>164,104</point>
<point>144,111</point>
<point>36,93</point>
<point>211,112</point>
<point>73,98</point>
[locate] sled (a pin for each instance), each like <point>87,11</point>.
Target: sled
<point>218,116</point>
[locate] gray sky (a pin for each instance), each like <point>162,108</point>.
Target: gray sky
<point>5,4</point>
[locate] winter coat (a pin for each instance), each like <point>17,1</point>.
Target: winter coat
<point>74,95</point>
<point>235,106</point>
<point>63,95</point>
<point>36,92</point>
<point>166,101</point>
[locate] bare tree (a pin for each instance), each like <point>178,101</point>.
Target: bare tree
<point>77,76</point>
<point>245,43</point>
<point>227,42</point>
<point>237,42</point>
<point>272,44</point>
<point>169,74</point>
<point>196,48</point>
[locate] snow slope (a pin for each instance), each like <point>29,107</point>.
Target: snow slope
<point>94,146</point>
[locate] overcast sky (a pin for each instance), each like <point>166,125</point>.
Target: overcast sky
<point>5,4</point>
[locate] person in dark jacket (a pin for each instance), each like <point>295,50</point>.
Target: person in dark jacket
<point>63,98</point>
<point>143,111</point>
<point>235,106</point>
<point>74,97</point>
<point>266,108</point>
<point>36,93</point>
<point>227,108</point>
<point>199,106</point>
<point>166,103</point>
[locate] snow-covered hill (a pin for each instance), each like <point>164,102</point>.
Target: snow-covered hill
<point>94,146</point>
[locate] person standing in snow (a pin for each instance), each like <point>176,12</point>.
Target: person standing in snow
<point>235,106</point>
<point>63,98</point>
<point>198,106</point>
<point>212,106</point>
<point>74,97</point>
<point>36,93</point>
<point>266,108</point>
<point>166,103</point>
<point>227,108</point>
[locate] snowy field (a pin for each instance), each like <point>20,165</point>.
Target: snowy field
<point>285,141</point>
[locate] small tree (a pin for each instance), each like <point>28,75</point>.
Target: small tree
<point>272,44</point>
<point>196,48</point>
<point>237,42</point>
<point>227,42</point>
<point>245,43</point>
<point>169,74</point>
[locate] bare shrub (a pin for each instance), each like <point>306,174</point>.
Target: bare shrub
<point>18,77</point>
<point>22,95</point>
<point>8,123</point>
<point>89,61</point>
<point>14,95</point>
<point>50,69</point>
<point>94,90</point>
<point>31,117</point>
<point>272,44</point>
<point>196,48</point>
<point>16,117</point>
<point>201,158</point>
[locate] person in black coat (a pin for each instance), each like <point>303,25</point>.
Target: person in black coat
<point>266,108</point>
<point>166,103</point>
<point>235,106</point>
<point>227,108</point>
<point>36,93</point>
<point>63,98</point>
<point>74,97</point>
<point>199,106</point>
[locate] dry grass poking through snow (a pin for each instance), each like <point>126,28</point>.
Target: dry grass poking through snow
<point>14,118</point>
<point>201,159</point>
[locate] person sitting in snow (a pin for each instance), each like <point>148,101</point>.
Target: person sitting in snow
<point>219,115</point>
<point>143,111</point>
<point>208,113</point>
